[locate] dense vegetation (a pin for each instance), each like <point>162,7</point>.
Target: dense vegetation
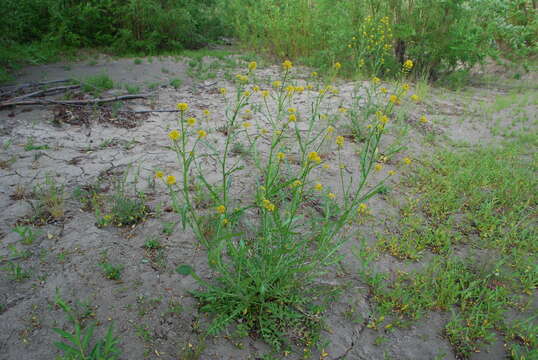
<point>442,35</point>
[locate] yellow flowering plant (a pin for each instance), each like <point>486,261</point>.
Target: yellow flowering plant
<point>266,257</point>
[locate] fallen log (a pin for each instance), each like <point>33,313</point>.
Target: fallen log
<point>71,102</point>
<point>44,92</point>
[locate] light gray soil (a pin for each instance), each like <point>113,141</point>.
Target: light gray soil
<point>66,255</point>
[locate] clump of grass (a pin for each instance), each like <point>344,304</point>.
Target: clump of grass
<point>16,272</point>
<point>97,84</point>
<point>110,271</point>
<point>267,258</point>
<point>120,208</point>
<point>30,145</point>
<point>50,202</point>
<point>27,233</point>
<point>176,83</point>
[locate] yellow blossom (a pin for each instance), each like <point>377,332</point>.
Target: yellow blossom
<point>159,174</point>
<point>277,84</point>
<point>287,64</point>
<point>255,88</point>
<point>252,65</point>
<point>246,93</point>
<point>331,196</point>
<point>383,90</point>
<point>299,89</point>
<point>405,87</point>
<point>170,179</point>
<point>265,93</point>
<point>376,80</point>
<point>314,157</point>
<point>201,134</point>
<point>408,64</point>
<point>343,110</point>
<point>423,119</point>
<point>407,161</point>
<point>383,119</point>
<point>292,118</point>
<point>292,110</point>
<point>415,98</point>
<point>223,91</point>
<point>221,209</point>
<point>268,205</point>
<point>297,183</point>
<point>330,129</point>
<point>378,167</point>
<point>314,74</point>
<point>280,156</point>
<point>337,65</point>
<point>326,166</point>
<point>309,87</point>
<point>362,208</point>
<point>206,112</point>
<point>264,131</point>
<point>182,107</point>
<point>246,124</point>
<point>394,99</point>
<point>191,121</point>
<point>318,187</point>
<point>340,141</point>
<point>392,172</point>
<point>174,134</point>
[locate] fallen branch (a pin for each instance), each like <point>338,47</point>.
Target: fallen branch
<point>15,88</point>
<point>43,92</point>
<point>72,102</point>
<point>147,111</point>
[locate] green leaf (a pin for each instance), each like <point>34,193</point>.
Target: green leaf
<point>185,270</point>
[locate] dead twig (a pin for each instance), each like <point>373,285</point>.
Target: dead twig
<point>72,102</point>
<point>50,91</point>
<point>16,88</point>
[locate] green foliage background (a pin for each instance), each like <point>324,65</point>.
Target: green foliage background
<point>440,35</point>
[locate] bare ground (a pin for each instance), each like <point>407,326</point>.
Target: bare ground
<point>143,305</point>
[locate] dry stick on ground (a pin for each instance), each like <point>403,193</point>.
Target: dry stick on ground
<point>14,88</point>
<point>72,102</point>
<point>43,92</point>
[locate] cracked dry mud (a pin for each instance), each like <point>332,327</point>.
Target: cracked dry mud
<point>65,256</point>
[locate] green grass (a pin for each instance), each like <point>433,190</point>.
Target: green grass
<point>481,202</point>
<point>97,84</point>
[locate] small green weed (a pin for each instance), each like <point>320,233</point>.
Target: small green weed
<point>16,271</point>
<point>111,272</point>
<point>50,202</point>
<point>30,145</point>
<point>77,344</point>
<point>97,84</point>
<point>176,83</point>
<point>27,233</point>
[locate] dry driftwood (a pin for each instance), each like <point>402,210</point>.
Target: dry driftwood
<point>15,88</point>
<point>71,102</point>
<point>50,91</point>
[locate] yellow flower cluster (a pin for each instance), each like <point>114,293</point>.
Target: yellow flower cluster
<point>174,135</point>
<point>287,65</point>
<point>280,156</point>
<point>242,78</point>
<point>182,107</point>
<point>268,205</point>
<point>252,65</point>
<point>314,157</point>
<point>221,209</point>
<point>318,187</point>
<point>340,141</point>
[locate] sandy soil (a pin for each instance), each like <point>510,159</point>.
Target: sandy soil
<point>65,256</point>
